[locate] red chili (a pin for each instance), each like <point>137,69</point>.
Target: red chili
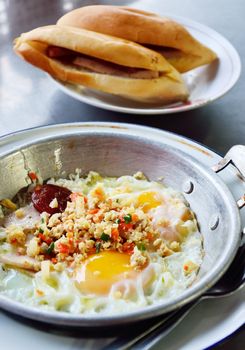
<point>44,194</point>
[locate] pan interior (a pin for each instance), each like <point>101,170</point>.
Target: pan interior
<point>117,155</point>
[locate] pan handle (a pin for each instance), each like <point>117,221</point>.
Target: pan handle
<point>236,157</point>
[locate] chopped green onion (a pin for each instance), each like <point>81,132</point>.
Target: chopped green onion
<point>42,220</point>
<point>41,230</point>
<point>117,221</point>
<point>50,248</point>
<point>97,246</point>
<point>128,218</point>
<point>163,280</point>
<point>141,247</point>
<point>105,237</point>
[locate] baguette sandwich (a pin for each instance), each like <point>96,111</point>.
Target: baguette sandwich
<point>103,63</point>
<point>161,34</point>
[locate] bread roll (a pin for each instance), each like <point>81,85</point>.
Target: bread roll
<point>102,62</point>
<point>161,34</point>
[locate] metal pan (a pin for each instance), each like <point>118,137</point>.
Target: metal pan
<point>115,149</point>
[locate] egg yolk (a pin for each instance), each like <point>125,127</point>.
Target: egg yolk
<point>148,200</point>
<point>100,271</point>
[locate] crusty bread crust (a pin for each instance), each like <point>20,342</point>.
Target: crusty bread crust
<point>144,28</point>
<point>98,45</point>
<point>166,89</point>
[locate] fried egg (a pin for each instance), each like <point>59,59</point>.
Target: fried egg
<point>100,271</point>
<point>111,280</point>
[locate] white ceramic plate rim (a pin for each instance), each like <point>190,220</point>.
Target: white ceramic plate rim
<point>235,62</point>
<point>206,156</point>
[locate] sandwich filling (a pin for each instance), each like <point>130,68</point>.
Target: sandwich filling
<point>96,65</point>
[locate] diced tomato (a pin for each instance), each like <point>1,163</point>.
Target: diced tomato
<point>97,218</point>
<point>71,241</point>
<point>123,227</point>
<point>93,211</point>
<point>54,260</point>
<point>114,234</point>
<point>149,236</point>
<point>44,238</point>
<point>63,248</point>
<point>99,193</point>
<point>128,247</point>
<point>32,175</point>
<point>91,250</point>
<point>135,217</point>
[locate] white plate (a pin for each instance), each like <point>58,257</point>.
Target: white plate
<point>207,323</point>
<point>205,84</point>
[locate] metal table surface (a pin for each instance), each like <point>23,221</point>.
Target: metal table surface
<point>29,99</point>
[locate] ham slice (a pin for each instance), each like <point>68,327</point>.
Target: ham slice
<point>56,51</point>
<point>97,65</point>
<point>30,218</point>
<point>103,67</point>
<point>20,261</point>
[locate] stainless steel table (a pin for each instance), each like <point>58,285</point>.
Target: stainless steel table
<point>28,98</point>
